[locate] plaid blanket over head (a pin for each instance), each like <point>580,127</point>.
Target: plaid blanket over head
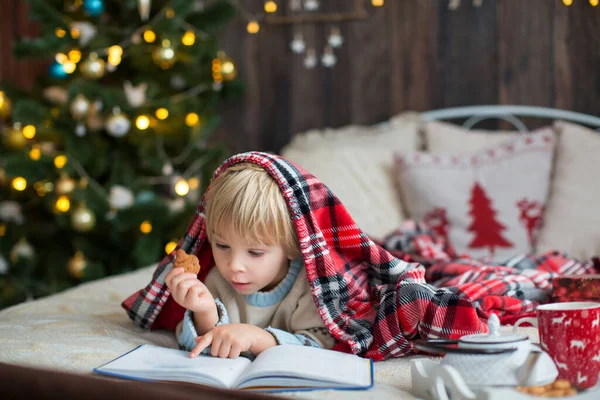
<point>511,289</point>
<point>372,302</point>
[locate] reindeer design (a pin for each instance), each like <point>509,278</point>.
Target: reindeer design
<point>530,217</point>
<point>577,344</point>
<point>580,378</point>
<point>561,365</point>
<point>568,322</point>
<point>596,357</point>
<point>559,320</point>
<point>436,219</point>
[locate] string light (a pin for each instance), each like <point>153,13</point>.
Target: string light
<point>253,27</point>
<point>142,122</point>
<point>19,183</point>
<point>188,38</point>
<point>61,58</point>
<point>149,36</point>
<point>75,33</point>
<point>114,54</point>
<point>146,227</point>
<point>567,2</point>
<point>377,3</point>
<point>170,247</point>
<point>35,154</point>
<point>162,113</point>
<point>593,3</point>
<point>62,204</point>
<point>60,32</point>
<point>182,187</point>
<point>169,13</point>
<point>29,131</point>
<point>270,6</point>
<point>69,66</point>
<point>194,183</point>
<point>192,119</point>
<point>60,161</point>
<point>75,55</point>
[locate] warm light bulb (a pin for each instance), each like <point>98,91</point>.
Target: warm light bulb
<point>253,27</point>
<point>170,247</point>
<point>227,67</point>
<point>114,54</point>
<point>377,3</point>
<point>194,183</point>
<point>188,38</point>
<point>192,119</point>
<point>270,6</point>
<point>60,32</point>
<point>19,183</point>
<point>75,55</point>
<point>60,161</point>
<point>35,154</point>
<point>149,36</point>
<point>69,66</point>
<point>182,187</point>
<point>567,2</point>
<point>63,204</point>
<point>29,131</point>
<point>146,227</point>
<point>61,58</point>
<point>142,122</point>
<point>162,113</point>
<point>75,33</point>
<point>593,3</point>
<point>169,13</point>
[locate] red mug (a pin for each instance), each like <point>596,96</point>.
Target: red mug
<point>570,334</point>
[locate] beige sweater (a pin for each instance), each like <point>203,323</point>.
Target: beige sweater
<point>287,311</point>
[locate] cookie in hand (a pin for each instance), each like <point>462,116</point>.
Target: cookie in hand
<point>188,262</point>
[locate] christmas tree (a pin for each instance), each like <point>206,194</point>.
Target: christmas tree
<point>485,226</point>
<point>103,162</point>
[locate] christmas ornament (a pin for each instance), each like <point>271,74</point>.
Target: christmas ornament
<point>167,169</point>
<point>335,38</point>
<point>164,55</point>
<point>93,67</point>
<point>198,5</point>
<point>76,265</point>
<point>144,9</point>
<point>297,44</point>
<point>56,94</point>
<point>87,31</point>
<point>120,197</point>
<point>136,96</point>
<point>80,129</point>
<point>117,125</point>
<point>295,5</point>
<point>3,265</point>
<point>13,137</point>
<point>22,251</point>
<point>57,71</point>
<point>178,82</point>
<point>228,70</point>
<point>83,219</point>
<point>93,7</point>
<point>5,106</point>
<point>95,119</point>
<point>328,59</point>
<point>10,211</point>
<point>176,205</point>
<point>145,196</point>
<point>79,106</point>
<point>64,185</point>
<point>310,61</point>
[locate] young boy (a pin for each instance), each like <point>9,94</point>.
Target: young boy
<point>258,295</point>
<point>298,271</point>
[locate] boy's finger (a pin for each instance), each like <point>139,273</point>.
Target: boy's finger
<point>202,343</point>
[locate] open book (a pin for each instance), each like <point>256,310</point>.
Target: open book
<point>279,368</point>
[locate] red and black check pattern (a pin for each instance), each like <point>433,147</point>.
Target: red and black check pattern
<point>372,302</point>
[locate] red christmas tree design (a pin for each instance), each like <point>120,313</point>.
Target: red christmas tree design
<point>436,219</point>
<point>486,228</point>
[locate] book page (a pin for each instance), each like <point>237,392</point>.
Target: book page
<point>309,364</point>
<point>166,364</point>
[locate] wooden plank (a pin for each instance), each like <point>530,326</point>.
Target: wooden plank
<point>413,34</point>
<point>467,66</point>
<point>25,71</point>
<point>7,28</point>
<point>563,75</point>
<point>525,33</point>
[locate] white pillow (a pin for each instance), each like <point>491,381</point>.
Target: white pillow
<point>572,219</point>
<point>355,162</point>
<point>443,137</point>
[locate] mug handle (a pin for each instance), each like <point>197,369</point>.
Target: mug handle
<point>531,320</point>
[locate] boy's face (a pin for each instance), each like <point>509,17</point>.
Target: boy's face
<point>249,269</point>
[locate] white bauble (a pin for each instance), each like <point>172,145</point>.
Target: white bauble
<point>10,211</point>
<point>117,125</point>
<point>120,197</point>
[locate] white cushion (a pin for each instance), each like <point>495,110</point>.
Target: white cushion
<point>443,137</point>
<point>572,220</point>
<point>489,203</point>
<point>355,162</point>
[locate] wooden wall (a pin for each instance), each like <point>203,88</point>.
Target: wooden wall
<point>408,55</point>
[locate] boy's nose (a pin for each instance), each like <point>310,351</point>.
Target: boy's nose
<point>236,265</point>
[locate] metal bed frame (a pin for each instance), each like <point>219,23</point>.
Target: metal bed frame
<point>509,113</point>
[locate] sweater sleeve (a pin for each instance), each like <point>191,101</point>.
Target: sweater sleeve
<point>189,333</point>
<point>283,337</point>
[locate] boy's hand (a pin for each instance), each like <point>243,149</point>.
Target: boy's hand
<point>189,292</point>
<point>229,340</point>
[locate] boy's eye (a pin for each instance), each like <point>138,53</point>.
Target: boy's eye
<point>254,253</point>
<point>222,246</point>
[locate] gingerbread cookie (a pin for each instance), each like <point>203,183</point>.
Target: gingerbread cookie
<point>558,388</point>
<point>188,262</point>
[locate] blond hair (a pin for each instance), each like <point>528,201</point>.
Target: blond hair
<point>246,199</point>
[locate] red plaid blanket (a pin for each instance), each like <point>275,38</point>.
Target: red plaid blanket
<point>511,289</point>
<point>372,302</point>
